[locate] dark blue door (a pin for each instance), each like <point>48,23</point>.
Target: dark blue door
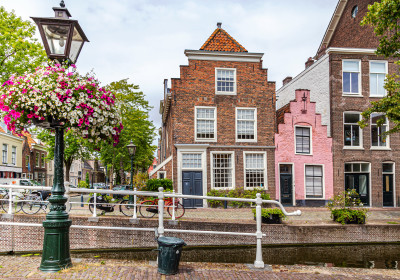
<point>192,184</point>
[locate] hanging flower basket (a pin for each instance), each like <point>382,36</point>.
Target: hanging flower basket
<point>56,96</point>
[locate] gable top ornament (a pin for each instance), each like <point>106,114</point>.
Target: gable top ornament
<point>221,41</point>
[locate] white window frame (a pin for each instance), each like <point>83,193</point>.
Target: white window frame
<point>13,155</point>
<point>234,92</point>
<point>265,187</point>
<point>359,79</point>
<point>4,156</point>
<point>215,124</point>
<point>323,182</point>
<point>192,168</point>
<point>162,172</point>
<point>387,147</point>
<point>255,124</point>
<point>386,69</point>
<point>295,149</point>
<point>37,159</point>
<point>233,169</point>
<point>360,131</point>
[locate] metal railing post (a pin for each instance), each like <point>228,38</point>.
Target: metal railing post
<point>67,204</point>
<point>259,261</point>
<point>134,205</point>
<point>160,211</point>
<point>10,200</point>
<point>173,206</point>
<point>94,203</point>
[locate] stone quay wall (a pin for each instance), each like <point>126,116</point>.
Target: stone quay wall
<point>27,238</point>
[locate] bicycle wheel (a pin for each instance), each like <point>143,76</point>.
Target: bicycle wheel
<point>148,209</point>
<point>125,209</point>
<point>179,210</point>
<point>99,212</point>
<point>31,204</point>
<point>16,205</point>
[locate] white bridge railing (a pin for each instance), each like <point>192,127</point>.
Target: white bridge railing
<point>16,197</point>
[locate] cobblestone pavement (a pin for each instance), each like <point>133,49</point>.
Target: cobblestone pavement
<point>18,267</point>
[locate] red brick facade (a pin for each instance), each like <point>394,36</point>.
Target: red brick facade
<point>195,88</point>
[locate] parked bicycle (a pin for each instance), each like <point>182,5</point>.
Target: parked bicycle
<point>106,204</point>
<point>149,208</point>
<point>29,202</point>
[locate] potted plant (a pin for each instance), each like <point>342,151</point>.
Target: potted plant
<point>271,215</point>
<point>347,208</point>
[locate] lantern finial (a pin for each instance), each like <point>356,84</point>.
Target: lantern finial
<point>62,5</point>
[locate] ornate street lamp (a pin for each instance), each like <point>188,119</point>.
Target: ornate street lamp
<point>63,39</point>
<point>131,150</point>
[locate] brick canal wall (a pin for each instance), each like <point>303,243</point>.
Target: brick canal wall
<point>20,238</point>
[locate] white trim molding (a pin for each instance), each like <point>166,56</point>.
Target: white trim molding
<point>350,51</point>
<point>160,165</point>
<point>223,56</point>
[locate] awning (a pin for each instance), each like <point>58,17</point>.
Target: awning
<point>11,169</point>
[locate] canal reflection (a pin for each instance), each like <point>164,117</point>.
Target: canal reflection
<point>361,256</point>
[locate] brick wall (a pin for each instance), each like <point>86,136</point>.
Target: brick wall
<point>31,238</point>
<point>341,104</point>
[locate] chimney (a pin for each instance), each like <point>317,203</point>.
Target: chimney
<point>219,24</point>
<point>287,80</point>
<point>309,62</point>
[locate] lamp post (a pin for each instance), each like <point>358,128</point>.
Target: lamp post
<point>131,150</point>
<point>63,39</point>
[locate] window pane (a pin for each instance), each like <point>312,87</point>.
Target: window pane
<point>354,82</point>
<point>346,82</point>
<point>373,84</point>
<point>387,167</point>
<point>225,80</point>
<point>351,66</point>
<point>254,170</point>
<point>381,82</point>
<point>377,67</point>
<point>351,118</point>
<point>222,170</point>
<point>314,181</point>
<point>347,167</point>
<point>303,140</point>
<point>356,167</point>
<point>347,135</point>
<point>365,167</point>
<point>205,128</point>
<point>191,160</point>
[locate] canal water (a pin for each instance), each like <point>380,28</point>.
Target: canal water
<point>362,256</point>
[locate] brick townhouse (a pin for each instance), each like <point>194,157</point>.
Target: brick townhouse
<point>11,150</point>
<point>34,165</point>
<point>343,77</point>
<point>218,121</point>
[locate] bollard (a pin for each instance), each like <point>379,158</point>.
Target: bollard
<point>173,206</point>
<point>94,203</point>
<point>160,211</point>
<point>134,205</point>
<point>258,263</point>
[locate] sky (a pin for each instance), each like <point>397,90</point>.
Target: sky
<point>144,40</point>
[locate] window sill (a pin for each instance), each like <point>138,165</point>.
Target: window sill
<point>252,188</point>
<point>300,154</point>
<point>380,149</point>
<point>352,95</point>
<point>377,96</point>
<point>225,93</point>
<point>315,198</point>
<point>246,141</point>
<point>205,140</point>
<point>352,148</point>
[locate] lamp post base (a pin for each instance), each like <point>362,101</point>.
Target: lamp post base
<point>56,255</point>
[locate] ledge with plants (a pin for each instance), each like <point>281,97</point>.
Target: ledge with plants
<point>237,193</point>
<point>347,208</point>
<point>271,215</point>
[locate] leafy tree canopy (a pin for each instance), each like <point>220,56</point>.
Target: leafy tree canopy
<point>384,17</point>
<point>19,51</point>
<point>137,127</point>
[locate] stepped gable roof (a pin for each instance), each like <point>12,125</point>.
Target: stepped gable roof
<point>221,41</point>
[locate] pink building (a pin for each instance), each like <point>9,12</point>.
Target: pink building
<point>303,156</point>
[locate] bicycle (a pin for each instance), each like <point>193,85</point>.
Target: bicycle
<point>148,208</point>
<point>103,205</point>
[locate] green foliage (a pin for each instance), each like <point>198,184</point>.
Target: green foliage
<point>19,50</point>
<point>75,147</point>
<point>236,193</point>
<point>137,127</point>
<point>87,179</point>
<point>83,184</point>
<point>384,17</point>
<point>140,180</point>
<point>266,212</point>
<point>347,207</point>
<point>154,184</point>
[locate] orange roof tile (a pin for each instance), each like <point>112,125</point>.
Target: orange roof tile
<point>29,138</point>
<point>2,130</point>
<point>221,41</point>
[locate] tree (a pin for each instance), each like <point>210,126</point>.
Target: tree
<point>19,51</point>
<point>134,110</point>
<point>75,148</point>
<point>384,17</point>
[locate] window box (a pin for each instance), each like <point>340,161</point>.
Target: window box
<point>271,215</point>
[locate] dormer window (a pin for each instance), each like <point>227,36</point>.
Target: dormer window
<point>225,81</point>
